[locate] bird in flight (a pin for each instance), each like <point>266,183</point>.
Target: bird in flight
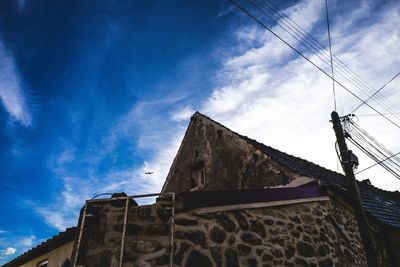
<point>148,173</point>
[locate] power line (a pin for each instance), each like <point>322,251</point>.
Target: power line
<point>379,162</point>
<point>371,147</point>
<point>306,58</point>
<point>368,153</point>
<point>330,53</point>
<point>368,115</point>
<point>312,48</point>
<point>376,92</point>
<point>317,49</point>
<point>374,145</point>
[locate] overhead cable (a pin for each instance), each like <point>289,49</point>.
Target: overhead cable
<point>309,60</point>
<point>273,13</point>
<point>376,92</point>
<point>371,115</point>
<point>371,147</point>
<point>330,53</point>
<point>379,162</point>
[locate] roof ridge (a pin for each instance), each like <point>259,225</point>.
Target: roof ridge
<point>247,139</point>
<point>394,193</point>
<point>70,230</point>
<point>369,193</point>
<point>197,113</point>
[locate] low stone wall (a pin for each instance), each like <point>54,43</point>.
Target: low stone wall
<point>148,240</point>
<point>308,234</point>
<point>147,235</point>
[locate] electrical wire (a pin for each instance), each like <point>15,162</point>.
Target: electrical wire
<point>375,158</point>
<point>376,92</point>
<point>371,147</point>
<point>287,24</point>
<point>371,138</point>
<point>378,155</point>
<point>330,53</point>
<point>379,150</point>
<point>309,60</point>
<point>373,165</point>
<point>370,115</point>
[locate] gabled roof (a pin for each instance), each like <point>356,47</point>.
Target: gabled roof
<point>384,206</point>
<point>50,244</point>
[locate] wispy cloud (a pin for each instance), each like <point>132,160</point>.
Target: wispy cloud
<point>11,91</point>
<point>283,101</point>
<point>12,243</point>
<point>264,92</point>
<point>9,251</point>
<point>84,182</point>
<point>182,114</point>
<point>59,219</point>
<point>28,241</point>
<point>261,90</point>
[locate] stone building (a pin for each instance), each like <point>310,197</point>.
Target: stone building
<point>231,201</point>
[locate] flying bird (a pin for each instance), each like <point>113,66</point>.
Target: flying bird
<point>148,173</point>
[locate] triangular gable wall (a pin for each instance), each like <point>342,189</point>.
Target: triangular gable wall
<point>212,157</point>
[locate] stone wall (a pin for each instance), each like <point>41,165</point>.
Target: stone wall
<point>147,235</point>
<point>211,157</point>
<point>307,234</point>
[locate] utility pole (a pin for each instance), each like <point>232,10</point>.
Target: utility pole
<point>347,161</point>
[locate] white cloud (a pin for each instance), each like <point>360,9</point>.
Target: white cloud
<point>291,106</point>
<point>82,184</point>
<point>59,219</point>
<point>182,114</point>
<point>9,251</point>
<point>226,8</point>
<point>261,91</point>
<point>28,241</point>
<point>11,92</point>
<point>12,242</point>
<point>264,92</point>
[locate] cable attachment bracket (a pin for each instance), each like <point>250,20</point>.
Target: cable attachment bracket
<point>351,159</point>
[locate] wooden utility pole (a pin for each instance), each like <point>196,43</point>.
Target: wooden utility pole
<point>354,194</point>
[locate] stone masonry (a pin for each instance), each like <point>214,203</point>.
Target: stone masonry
<point>320,233</point>
<point>315,232</point>
<point>308,234</point>
<point>211,157</point>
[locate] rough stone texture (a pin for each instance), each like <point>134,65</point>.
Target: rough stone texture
<point>266,231</point>
<point>273,236</point>
<point>147,238</point>
<point>213,158</point>
<point>217,235</point>
<point>196,259</point>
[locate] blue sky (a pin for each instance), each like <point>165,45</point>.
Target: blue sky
<point>95,93</point>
